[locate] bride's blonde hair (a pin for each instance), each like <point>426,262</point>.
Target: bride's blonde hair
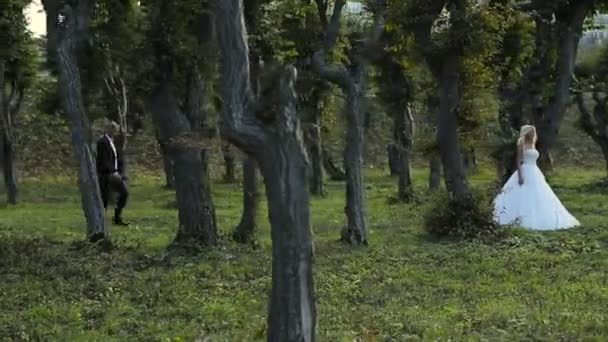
<point>523,133</point>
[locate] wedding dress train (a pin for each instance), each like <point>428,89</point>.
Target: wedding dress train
<point>532,205</point>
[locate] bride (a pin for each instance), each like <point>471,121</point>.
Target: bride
<point>526,199</point>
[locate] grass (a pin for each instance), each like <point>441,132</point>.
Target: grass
<point>404,287</point>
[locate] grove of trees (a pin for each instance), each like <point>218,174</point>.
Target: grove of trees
<point>267,79</point>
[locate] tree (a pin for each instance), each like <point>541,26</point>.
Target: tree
<point>444,57</point>
<point>559,25</point>
<point>72,32</point>
<point>590,95</point>
<point>352,80</point>
<point>245,230</point>
<point>178,103</point>
<point>397,94</point>
<point>17,72</point>
<point>268,128</point>
<point>290,32</point>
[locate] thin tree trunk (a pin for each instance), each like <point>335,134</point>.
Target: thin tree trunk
<point>404,131</point>
<point>392,154</point>
<point>335,173</point>
<point>8,170</point>
<point>245,231</point>
<point>356,230</point>
<point>69,81</point>
<point>551,120</point>
<point>167,165</point>
<point>435,173</point>
<point>229,164</point>
<point>315,150</point>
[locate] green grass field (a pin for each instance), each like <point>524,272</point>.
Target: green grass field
<point>404,287</point>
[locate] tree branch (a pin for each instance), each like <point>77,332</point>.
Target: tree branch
<point>322,9</point>
<point>336,74</point>
<point>237,121</point>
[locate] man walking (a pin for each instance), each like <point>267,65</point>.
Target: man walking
<point>110,172</point>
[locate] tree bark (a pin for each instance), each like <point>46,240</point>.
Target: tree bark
<point>71,34</point>
<point>550,122</point>
<point>196,211</point>
<point>245,231</point>
<point>276,143</point>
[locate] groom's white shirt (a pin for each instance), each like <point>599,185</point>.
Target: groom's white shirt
<point>113,151</point>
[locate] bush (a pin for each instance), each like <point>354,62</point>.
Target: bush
<point>471,219</point>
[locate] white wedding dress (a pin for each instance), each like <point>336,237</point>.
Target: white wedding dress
<point>532,205</point>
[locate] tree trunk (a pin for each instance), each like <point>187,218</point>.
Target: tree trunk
<point>196,210</point>
<point>292,310</point>
<point>392,153</point>
<point>69,81</point>
<point>167,165</point>
<point>313,142</point>
<point>6,143</point>
<point>469,160</point>
<point>8,170</point>
<point>279,151</point>
<point>197,222</point>
<point>245,231</point>
<point>396,93</point>
<point>335,172</point>
<point>229,164</point>
<point>404,127</point>
<point>549,123</point>
<point>435,173</point>
<point>356,229</point>
<point>596,124</point>
<point>447,130</point>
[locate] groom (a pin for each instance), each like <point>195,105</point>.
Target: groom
<point>110,172</point>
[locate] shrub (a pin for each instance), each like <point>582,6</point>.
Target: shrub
<point>471,219</point>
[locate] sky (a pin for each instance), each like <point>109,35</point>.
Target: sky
<point>36,17</point>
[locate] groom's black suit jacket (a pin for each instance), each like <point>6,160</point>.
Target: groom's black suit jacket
<point>106,158</point>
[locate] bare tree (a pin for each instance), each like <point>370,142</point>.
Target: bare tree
<point>269,130</point>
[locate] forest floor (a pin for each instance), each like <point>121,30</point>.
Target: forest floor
<point>404,287</point>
